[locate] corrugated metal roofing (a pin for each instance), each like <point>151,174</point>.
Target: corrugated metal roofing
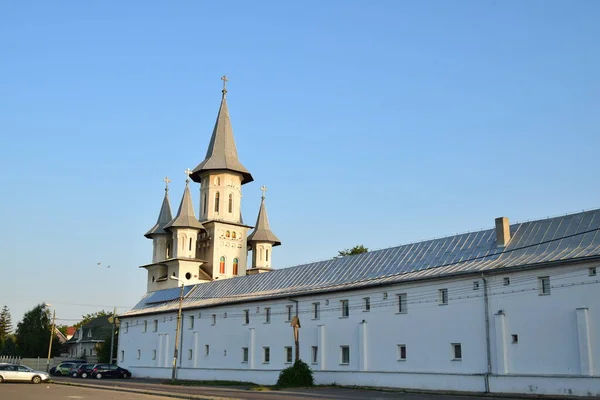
<point>562,238</point>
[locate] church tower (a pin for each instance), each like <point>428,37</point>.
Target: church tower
<point>174,243</point>
<point>221,176</point>
<point>262,240</point>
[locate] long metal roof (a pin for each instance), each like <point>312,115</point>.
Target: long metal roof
<point>569,237</point>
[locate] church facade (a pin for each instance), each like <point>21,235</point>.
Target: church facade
<point>513,309</point>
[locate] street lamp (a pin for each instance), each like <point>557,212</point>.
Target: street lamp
<point>51,336</point>
<point>176,351</point>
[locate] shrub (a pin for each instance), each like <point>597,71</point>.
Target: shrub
<point>298,374</point>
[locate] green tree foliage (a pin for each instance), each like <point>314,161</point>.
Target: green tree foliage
<point>353,251</point>
<point>89,317</point>
<point>8,347</point>
<point>298,375</point>
<point>5,324</point>
<point>103,349</point>
<point>33,333</point>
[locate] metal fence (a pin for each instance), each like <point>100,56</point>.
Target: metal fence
<point>10,359</point>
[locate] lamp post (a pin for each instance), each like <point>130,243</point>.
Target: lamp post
<point>176,351</point>
<point>51,337</point>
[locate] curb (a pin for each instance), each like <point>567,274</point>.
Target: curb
<point>146,391</point>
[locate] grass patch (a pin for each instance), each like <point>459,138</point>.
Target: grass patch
<point>210,383</point>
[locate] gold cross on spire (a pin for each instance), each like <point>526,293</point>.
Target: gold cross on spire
<point>188,172</point>
<point>263,189</point>
<point>166,181</point>
<point>224,79</point>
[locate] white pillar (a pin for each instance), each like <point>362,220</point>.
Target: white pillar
<point>166,358</point>
<point>195,346</point>
<point>322,350</point>
<point>501,350</point>
<point>159,351</point>
<point>251,348</point>
<point>585,346</point>
<point>363,346</point>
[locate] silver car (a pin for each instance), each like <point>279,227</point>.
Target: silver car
<point>21,373</point>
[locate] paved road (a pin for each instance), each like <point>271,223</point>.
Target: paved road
<point>241,393</point>
<point>26,391</point>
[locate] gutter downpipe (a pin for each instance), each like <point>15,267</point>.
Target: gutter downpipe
<point>487,335</point>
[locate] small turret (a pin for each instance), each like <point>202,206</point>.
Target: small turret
<point>160,237</point>
<point>262,240</point>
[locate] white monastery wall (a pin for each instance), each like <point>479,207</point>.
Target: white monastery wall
<point>557,341</point>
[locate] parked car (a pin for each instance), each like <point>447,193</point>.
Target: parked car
<point>83,371</point>
<point>64,368</point>
<point>21,373</point>
<point>109,371</point>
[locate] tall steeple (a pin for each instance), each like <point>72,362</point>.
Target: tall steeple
<point>164,216</point>
<point>222,152</point>
<point>262,240</point>
<point>185,218</point>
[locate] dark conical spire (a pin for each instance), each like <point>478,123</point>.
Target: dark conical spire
<point>164,216</point>
<point>185,218</point>
<point>222,152</point>
<point>262,231</point>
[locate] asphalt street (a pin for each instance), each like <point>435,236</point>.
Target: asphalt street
<point>242,393</point>
<point>46,391</point>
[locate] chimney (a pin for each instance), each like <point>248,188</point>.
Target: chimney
<point>502,231</point>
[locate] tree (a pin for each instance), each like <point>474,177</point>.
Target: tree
<point>9,346</point>
<point>89,317</point>
<point>353,251</point>
<point>103,349</point>
<point>5,324</point>
<point>33,333</point>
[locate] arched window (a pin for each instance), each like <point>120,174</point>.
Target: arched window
<point>168,250</point>
<point>230,203</point>
<point>218,181</point>
<point>233,235</point>
<point>227,234</point>
<point>217,195</point>
<point>267,255</point>
<point>235,266</point>
<point>222,265</point>
<point>190,244</point>
<point>260,254</point>
<point>205,204</point>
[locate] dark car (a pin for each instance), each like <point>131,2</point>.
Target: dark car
<point>109,371</point>
<point>83,371</point>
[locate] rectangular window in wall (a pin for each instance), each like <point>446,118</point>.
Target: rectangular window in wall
<point>442,297</point>
<point>266,355</point>
<point>122,355</point>
<point>316,310</point>
<point>191,322</point>
<point>289,313</point>
<point>506,281</point>
<point>345,308</point>
<point>246,317</point>
<point>155,325</point>
<point>456,351</point>
<point>126,327</point>
<point>267,315</point>
<point>190,354</point>
<point>366,304</point>
<point>402,303</point>
<point>401,352</point>
<point>288,354</point>
<point>145,328</point>
<point>139,354</point>
<point>315,354</point>
<point>544,283</point>
<point>592,271</point>
<point>476,285</point>
<point>214,319</point>
<point>206,349</point>
<point>154,354</point>
<point>244,354</point>
<point>345,354</point>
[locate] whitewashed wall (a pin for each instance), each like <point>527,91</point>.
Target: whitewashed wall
<point>552,342</point>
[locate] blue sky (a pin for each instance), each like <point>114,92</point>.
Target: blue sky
<point>375,123</point>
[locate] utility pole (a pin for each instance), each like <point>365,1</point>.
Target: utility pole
<point>176,351</point>
<point>112,336</point>
<point>51,337</point>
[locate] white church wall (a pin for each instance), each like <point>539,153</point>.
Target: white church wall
<point>550,330</point>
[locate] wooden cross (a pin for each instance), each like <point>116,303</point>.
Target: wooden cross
<point>166,181</point>
<point>263,189</point>
<point>224,79</point>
